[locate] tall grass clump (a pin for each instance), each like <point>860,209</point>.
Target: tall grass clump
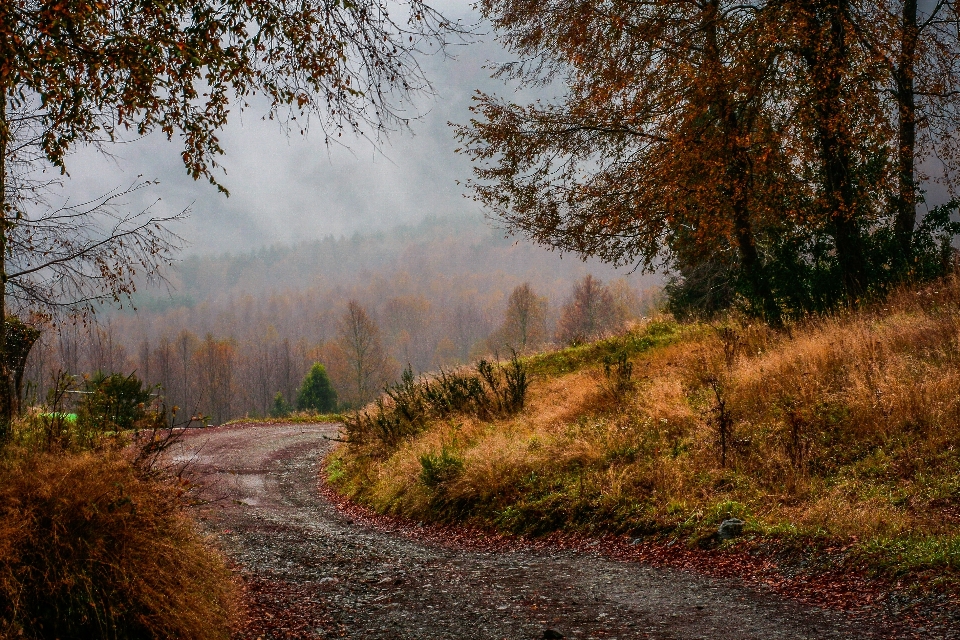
<point>408,405</point>
<point>95,539</point>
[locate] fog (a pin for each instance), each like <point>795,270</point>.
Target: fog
<point>309,228</point>
<point>285,187</point>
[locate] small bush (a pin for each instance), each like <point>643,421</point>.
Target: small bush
<point>618,375</point>
<point>280,407</point>
<point>114,402</point>
<point>453,392</point>
<point>436,469</point>
<point>112,409</point>
<point>408,404</point>
<point>89,548</point>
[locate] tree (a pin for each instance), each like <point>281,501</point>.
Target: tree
<point>279,408</point>
<point>20,340</point>
<point>359,339</point>
<point>214,363</point>
<point>114,400</point>
<point>757,146</point>
<point>662,138</point>
<point>88,72</point>
<point>627,302</point>
<point>590,312</point>
<point>525,321</point>
<point>921,50</point>
<point>317,393</point>
<point>407,319</point>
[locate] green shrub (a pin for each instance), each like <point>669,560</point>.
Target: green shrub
<point>408,404</point>
<point>440,468</point>
<point>103,418</point>
<point>317,393</point>
<point>114,402</point>
<point>280,407</point>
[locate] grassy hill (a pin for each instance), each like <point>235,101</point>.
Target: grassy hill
<point>843,431</point>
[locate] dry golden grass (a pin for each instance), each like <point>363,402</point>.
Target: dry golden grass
<point>91,549</point>
<point>845,427</point>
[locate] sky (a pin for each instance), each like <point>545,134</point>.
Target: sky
<point>286,188</point>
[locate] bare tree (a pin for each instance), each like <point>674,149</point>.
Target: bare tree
<point>186,344</point>
<point>359,338</point>
<point>588,314</point>
<point>214,360</point>
<point>525,321</point>
<point>407,320</point>
<point>468,326</point>
<point>71,258</point>
<point>162,359</point>
<point>88,73</point>
<point>66,259</point>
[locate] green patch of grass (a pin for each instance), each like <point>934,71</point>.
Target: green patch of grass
<point>910,554</point>
<point>656,333</point>
<point>300,417</point>
<point>437,469</point>
<point>335,470</point>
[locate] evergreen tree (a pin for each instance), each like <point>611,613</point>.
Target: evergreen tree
<point>280,408</point>
<point>316,393</point>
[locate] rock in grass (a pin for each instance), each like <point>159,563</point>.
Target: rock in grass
<point>730,529</point>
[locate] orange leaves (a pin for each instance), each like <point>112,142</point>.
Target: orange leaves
<point>694,133</point>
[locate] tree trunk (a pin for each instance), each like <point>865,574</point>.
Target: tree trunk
<point>826,57</point>
<point>738,173</point>
<point>906,203</point>
<point>6,388</point>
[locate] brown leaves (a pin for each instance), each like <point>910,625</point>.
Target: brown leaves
<point>710,133</point>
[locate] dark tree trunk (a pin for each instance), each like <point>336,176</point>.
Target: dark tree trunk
<point>738,181</point>
<point>826,56</point>
<point>7,397</point>
<point>906,203</point>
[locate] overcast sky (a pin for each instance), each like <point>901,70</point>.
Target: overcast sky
<point>289,188</point>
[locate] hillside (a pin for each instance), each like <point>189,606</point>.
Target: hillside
<point>456,253</point>
<point>838,433</point>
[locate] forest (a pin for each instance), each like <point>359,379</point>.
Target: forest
<point>228,333</point>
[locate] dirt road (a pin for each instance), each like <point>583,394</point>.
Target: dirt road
<point>311,572</point>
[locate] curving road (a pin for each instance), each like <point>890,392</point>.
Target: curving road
<point>310,572</point>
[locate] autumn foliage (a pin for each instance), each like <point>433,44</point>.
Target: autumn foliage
<point>769,148</point>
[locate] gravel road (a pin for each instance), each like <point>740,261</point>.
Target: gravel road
<point>312,572</point>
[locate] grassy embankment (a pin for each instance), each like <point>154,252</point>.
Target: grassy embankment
<point>844,429</point>
<point>95,542</point>
<point>296,417</point>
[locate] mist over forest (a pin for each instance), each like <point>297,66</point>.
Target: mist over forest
<point>229,332</point>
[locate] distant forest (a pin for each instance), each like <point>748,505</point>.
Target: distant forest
<point>234,335</point>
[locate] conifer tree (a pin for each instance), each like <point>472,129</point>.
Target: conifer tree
<point>317,393</point>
